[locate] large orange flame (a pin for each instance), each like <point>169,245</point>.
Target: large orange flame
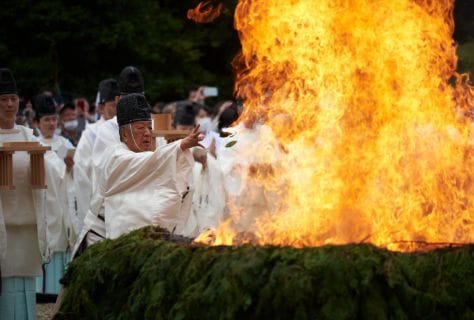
<point>372,144</point>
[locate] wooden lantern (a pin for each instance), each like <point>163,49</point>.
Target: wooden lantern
<point>36,151</point>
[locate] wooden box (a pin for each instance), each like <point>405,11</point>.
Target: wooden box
<point>36,151</point>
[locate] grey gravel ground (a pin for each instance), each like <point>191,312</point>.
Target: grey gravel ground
<point>44,311</point>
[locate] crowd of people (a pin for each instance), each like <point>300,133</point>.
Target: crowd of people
<point>106,175</point>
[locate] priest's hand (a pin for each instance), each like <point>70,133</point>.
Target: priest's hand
<point>192,140</point>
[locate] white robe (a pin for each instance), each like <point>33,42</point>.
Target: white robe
<point>245,149</point>
<point>209,137</point>
<point>140,189</point>
<point>60,205</point>
<point>209,194</point>
<point>83,171</point>
<point>107,135</point>
<point>23,227</point>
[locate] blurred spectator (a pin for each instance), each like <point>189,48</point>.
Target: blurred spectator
<point>30,118</point>
<point>84,116</point>
<point>20,115</point>
<point>158,108</point>
<point>185,115</point>
<point>211,140</point>
<point>69,123</point>
<point>171,109</point>
<point>93,111</point>
<point>227,116</point>
<point>196,94</point>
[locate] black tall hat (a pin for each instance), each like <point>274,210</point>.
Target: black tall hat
<point>108,90</point>
<point>131,81</point>
<point>7,82</point>
<point>44,106</point>
<point>185,113</point>
<point>131,108</point>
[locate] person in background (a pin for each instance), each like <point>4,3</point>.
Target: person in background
<point>83,170</point>
<point>20,116</point>
<point>84,117</point>
<point>61,214</point>
<point>185,115</point>
<point>221,106</point>
<point>227,117</point>
<point>30,120</point>
<point>94,113</point>
<point>196,94</point>
<point>130,81</point>
<point>211,140</point>
<point>158,108</point>
<point>23,234</point>
<point>69,123</point>
<point>171,109</point>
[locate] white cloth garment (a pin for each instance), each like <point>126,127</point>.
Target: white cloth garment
<point>83,171</point>
<point>107,135</point>
<point>23,227</point>
<point>60,203</point>
<point>209,137</point>
<point>209,194</point>
<point>140,189</point>
<point>245,154</point>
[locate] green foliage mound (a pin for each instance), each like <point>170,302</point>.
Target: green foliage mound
<point>142,276</point>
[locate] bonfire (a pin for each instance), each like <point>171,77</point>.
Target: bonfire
<point>364,99</point>
<point>362,145</point>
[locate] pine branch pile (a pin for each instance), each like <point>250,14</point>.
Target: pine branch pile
<point>142,276</point>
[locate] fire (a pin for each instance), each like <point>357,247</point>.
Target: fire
<point>367,137</point>
<point>205,12</point>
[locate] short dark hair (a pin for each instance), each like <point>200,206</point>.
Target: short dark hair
<point>193,87</point>
<point>67,105</point>
<point>229,116</point>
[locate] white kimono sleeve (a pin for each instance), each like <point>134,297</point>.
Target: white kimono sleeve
<point>145,188</point>
<point>107,135</point>
<point>56,203</point>
<point>83,172</point>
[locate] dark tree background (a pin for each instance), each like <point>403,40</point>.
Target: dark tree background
<point>69,46</point>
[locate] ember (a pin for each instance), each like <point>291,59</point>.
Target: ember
<point>376,149</point>
<point>205,12</point>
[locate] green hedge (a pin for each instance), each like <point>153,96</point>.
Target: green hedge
<point>140,276</point>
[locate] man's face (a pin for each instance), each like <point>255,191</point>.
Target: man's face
<point>109,110</point>
<point>140,137</point>
<point>48,125</point>
<point>68,115</point>
<point>9,104</point>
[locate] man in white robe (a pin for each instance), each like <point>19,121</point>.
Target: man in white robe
<point>23,229</point>
<point>60,208</point>
<point>83,168</point>
<point>136,186</point>
<point>130,81</point>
